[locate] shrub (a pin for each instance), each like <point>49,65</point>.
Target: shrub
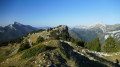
<point>39,39</point>
<point>34,51</point>
<point>79,42</point>
<point>24,46</point>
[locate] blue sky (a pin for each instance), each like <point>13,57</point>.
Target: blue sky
<point>59,12</point>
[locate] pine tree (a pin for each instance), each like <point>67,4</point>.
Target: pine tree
<point>94,45</point>
<point>111,45</point>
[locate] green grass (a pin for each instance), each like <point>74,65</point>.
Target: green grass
<point>2,50</point>
<point>34,51</point>
<point>3,53</point>
<point>69,62</point>
<point>2,58</point>
<point>62,54</point>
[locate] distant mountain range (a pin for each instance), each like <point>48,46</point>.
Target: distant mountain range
<point>88,33</point>
<point>85,33</point>
<point>15,30</point>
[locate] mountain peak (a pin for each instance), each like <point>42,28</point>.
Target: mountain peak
<point>11,26</point>
<point>17,23</point>
<point>99,24</point>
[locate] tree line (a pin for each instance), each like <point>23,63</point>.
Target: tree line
<point>109,45</point>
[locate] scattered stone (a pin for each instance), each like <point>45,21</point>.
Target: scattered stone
<point>39,65</point>
<point>74,50</point>
<point>44,61</point>
<point>52,53</point>
<point>43,58</point>
<point>40,61</point>
<point>91,58</point>
<point>83,50</point>
<point>82,54</point>
<point>43,54</point>
<point>35,62</point>
<point>100,54</point>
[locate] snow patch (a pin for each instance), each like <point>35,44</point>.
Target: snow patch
<point>100,25</point>
<point>97,24</point>
<point>11,26</point>
<point>106,36</point>
<point>113,32</point>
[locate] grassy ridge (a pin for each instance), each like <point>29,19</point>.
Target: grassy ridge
<point>34,51</point>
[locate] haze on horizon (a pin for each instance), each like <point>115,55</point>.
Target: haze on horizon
<point>59,12</point>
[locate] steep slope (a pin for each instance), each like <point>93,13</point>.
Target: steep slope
<point>114,31</point>
<point>14,30</point>
<point>73,34</point>
<point>98,30</point>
